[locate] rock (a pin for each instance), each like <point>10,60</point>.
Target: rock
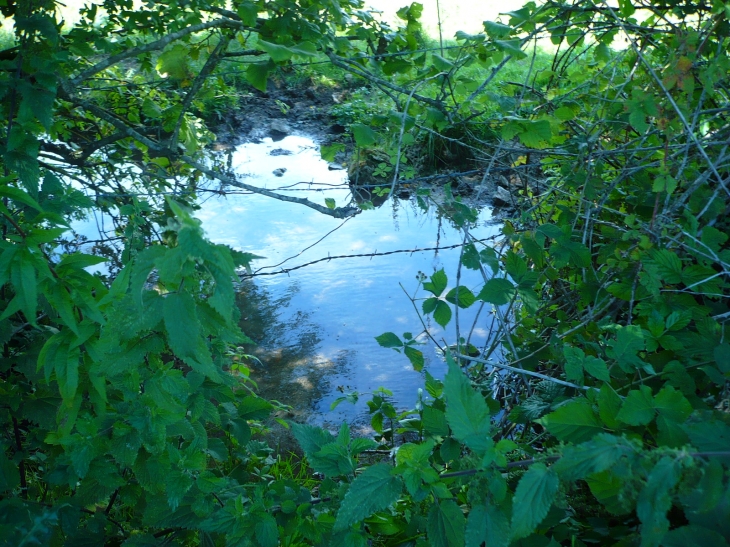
<point>279,172</point>
<point>278,129</point>
<point>280,152</point>
<point>335,167</point>
<point>503,182</point>
<point>503,197</point>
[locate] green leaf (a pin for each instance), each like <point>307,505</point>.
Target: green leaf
<point>330,203</point>
<point>573,422</point>
<point>533,497</point>
<point>461,296</point>
<point>181,324</point>
<point>278,53</point>
<point>267,533</point>
<point>415,356</point>
<point>373,490</point>
<point>311,438</point>
<point>466,410</point>
<point>497,291</point>
<point>442,313</point>
<point>609,404</point>
<point>438,283</point>
<point>389,340</point>
<point>364,136</point>
<point>257,74</point>
<point>693,536</point>
<point>594,456</point>
<point>655,500</point>
<point>669,264</point>
<point>174,62</point>
<point>629,341</point>
<point>487,525</point>
<point>672,405</point>
<point>19,196</point>
<point>722,357</point>
<point>638,407</point>
<point>710,436</point>
<point>434,421</point>
<point>445,525</point>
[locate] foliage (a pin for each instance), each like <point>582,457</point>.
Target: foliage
<point>599,412</point>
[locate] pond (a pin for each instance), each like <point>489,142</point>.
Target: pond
<point>315,326</point>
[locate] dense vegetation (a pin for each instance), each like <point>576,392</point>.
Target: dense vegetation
<point>599,414</point>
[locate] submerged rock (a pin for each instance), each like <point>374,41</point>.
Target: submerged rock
<point>280,152</point>
<point>279,172</point>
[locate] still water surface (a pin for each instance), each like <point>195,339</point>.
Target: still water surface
<point>315,327</point>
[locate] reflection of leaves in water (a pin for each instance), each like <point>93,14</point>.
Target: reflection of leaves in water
<point>268,320</point>
<point>288,340</point>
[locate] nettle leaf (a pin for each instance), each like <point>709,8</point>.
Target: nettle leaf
<point>466,410</point>
<point>445,525</point>
<point>594,456</point>
<point>373,490</point>
<point>461,296</point>
<point>655,500</point>
<point>497,291</point>
<point>575,421</point>
<point>576,362</point>
<point>532,500</point>
<point>488,525</point>
<point>181,323</point>
<point>267,533</point>
<point>311,438</point>
<point>438,283</point>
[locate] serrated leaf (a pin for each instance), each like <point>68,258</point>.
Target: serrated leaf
<point>629,341</point>
<point>497,291</point>
<point>693,536</point>
<point>467,413</point>
<point>445,526</point>
<point>267,533</point>
<point>461,296</point>
<point>672,405</point>
<point>573,422</point>
<point>373,490</point>
<point>442,313</point>
<point>533,497</point>
<point>437,284</point>
<point>594,456</point>
<point>364,136</point>
<point>609,404</point>
<point>434,421</point>
<point>655,500</point>
<point>415,356</point>
<point>487,525</point>
<point>638,407</point>
<point>181,324</point>
<point>669,264</point>
<point>330,203</point>
<point>389,340</point>
<point>311,438</point>
<point>710,436</point>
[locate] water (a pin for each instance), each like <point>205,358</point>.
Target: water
<point>316,326</point>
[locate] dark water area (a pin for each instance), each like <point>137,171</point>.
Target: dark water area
<point>315,327</point>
